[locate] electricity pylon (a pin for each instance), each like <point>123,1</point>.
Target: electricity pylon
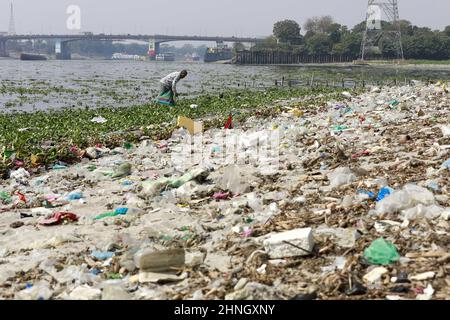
<point>375,31</point>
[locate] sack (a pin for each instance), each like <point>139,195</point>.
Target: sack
<point>166,99</point>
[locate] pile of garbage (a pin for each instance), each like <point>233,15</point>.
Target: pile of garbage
<point>357,208</point>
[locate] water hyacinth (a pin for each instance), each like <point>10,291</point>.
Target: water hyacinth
<point>60,134</point>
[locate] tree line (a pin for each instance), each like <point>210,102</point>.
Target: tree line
<point>324,36</point>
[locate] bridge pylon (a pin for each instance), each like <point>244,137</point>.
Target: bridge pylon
<point>62,51</point>
<point>3,51</point>
<point>153,49</point>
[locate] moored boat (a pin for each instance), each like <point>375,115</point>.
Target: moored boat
<point>32,57</point>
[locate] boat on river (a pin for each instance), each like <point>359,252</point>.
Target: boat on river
<point>32,57</point>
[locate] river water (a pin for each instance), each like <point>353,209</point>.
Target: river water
<point>43,85</point>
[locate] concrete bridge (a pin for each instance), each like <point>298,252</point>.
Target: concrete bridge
<point>62,50</point>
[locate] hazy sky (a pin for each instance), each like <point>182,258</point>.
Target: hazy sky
<point>202,17</point>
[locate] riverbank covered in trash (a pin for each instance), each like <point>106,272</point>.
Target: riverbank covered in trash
<point>42,138</point>
<point>356,207</point>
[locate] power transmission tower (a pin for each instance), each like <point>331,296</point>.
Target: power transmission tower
<point>12,25</point>
<point>378,34</point>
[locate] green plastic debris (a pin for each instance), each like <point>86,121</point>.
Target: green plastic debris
<point>59,167</point>
<point>127,145</point>
<point>117,212</point>
<point>114,276</point>
<point>5,197</point>
<point>339,128</point>
<point>155,186</point>
<point>381,252</point>
<point>8,153</point>
<point>188,237</point>
<point>122,171</point>
<point>248,220</point>
<point>394,103</point>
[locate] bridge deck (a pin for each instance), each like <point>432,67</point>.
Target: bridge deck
<point>157,38</point>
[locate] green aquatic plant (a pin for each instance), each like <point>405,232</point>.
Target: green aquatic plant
<point>53,133</point>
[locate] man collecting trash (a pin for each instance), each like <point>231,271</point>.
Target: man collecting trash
<point>169,87</point>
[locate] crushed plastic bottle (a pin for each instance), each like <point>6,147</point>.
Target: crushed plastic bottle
<point>38,291</point>
<point>100,255</point>
<point>381,252</point>
<point>152,187</point>
<point>341,176</point>
<point>410,196</point>
<point>74,195</point>
<point>122,171</point>
<point>370,194</point>
<point>446,164</point>
<point>20,175</point>
<point>421,211</point>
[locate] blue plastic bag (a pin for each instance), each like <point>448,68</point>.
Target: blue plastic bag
<point>384,192</point>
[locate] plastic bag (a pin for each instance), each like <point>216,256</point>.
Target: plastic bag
<point>341,176</point>
<point>381,252</point>
<point>232,180</point>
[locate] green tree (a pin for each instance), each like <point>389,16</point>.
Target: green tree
<point>324,24</point>
<point>286,30</point>
<point>237,46</point>
<point>350,45</point>
<point>319,44</point>
<point>360,27</point>
<point>447,31</point>
<point>267,43</point>
<point>335,32</point>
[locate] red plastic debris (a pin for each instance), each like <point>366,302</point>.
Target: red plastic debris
<point>59,217</point>
<point>417,290</point>
<point>19,163</point>
<point>162,145</point>
<point>229,124</point>
<point>21,196</point>
<point>221,196</point>
<point>154,175</point>
<point>361,154</point>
